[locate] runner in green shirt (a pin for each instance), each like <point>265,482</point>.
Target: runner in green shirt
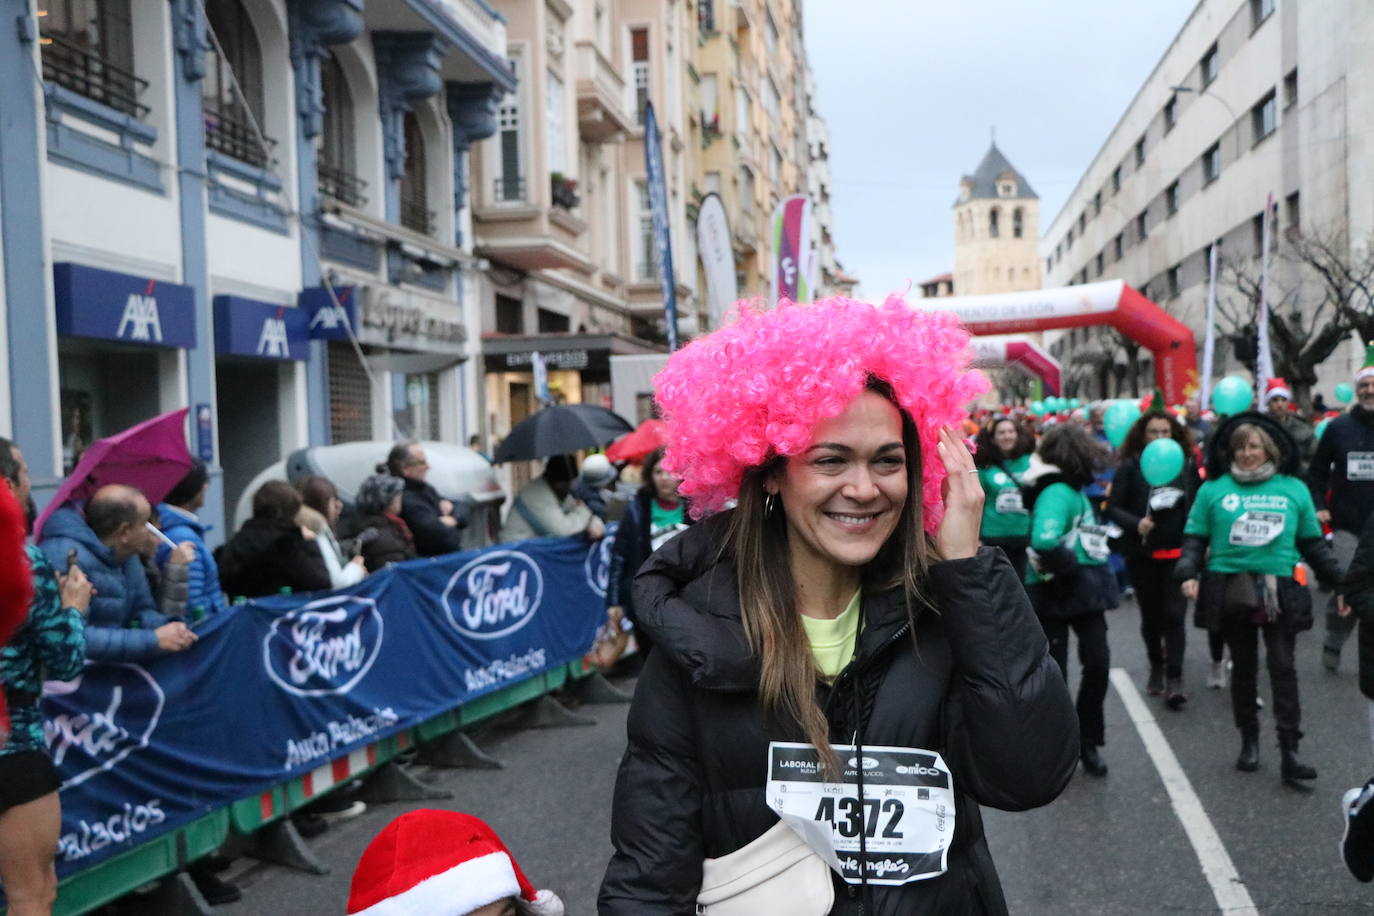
<point>1003,454</point>
<point>1254,521</point>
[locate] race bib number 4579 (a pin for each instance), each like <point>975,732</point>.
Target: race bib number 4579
<point>905,815</point>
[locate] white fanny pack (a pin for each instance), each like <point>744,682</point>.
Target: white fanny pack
<point>776,873</point>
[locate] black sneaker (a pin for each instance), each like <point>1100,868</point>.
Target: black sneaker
<point>1357,844</point>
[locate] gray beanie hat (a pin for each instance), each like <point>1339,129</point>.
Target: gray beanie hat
<point>376,492</point>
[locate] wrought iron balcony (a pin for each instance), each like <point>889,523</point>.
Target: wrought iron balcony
<point>509,189</point>
<point>340,184</point>
<point>228,131</point>
<point>72,65</point>
<point>415,214</point>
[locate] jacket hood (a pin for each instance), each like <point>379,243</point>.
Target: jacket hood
<point>1219,444</point>
<point>687,600</point>
<point>167,516</point>
<point>1037,469</point>
<point>67,522</point>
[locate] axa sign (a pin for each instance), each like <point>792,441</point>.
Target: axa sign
<point>333,311</point>
<point>96,720</point>
<point>113,306</point>
<point>324,647</point>
<point>272,341</point>
<point>494,595</point>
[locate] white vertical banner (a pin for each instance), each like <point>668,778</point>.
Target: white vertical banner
<point>1264,361</point>
<point>541,377</point>
<point>1209,342</point>
<point>717,257</point>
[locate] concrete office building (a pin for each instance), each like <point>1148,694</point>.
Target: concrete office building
<point>1253,97</point>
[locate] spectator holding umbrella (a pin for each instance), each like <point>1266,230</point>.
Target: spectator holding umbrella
<point>545,507</point>
<point>592,484</point>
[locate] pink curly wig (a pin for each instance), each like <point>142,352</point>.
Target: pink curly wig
<point>756,388</point>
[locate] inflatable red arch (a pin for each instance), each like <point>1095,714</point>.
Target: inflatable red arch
<point>1020,353</point>
<point>1111,302</point>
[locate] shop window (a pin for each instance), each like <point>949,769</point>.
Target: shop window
<point>233,85</point>
<point>415,212</point>
<point>337,165</point>
<point>87,47</point>
<point>639,56</point>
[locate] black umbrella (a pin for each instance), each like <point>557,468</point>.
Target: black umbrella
<point>560,429</point>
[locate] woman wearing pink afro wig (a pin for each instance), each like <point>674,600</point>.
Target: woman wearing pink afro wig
<point>843,611</point>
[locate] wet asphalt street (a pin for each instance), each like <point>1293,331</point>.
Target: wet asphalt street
<point>1113,845</point>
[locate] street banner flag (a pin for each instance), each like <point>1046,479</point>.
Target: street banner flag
<point>540,368</point>
<point>1209,343</point>
<point>793,259</point>
<point>1264,362</point>
<point>717,257</point>
<point>658,204</point>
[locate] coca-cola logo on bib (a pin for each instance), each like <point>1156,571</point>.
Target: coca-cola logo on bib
<point>494,595</point>
<point>324,647</point>
<point>100,717</point>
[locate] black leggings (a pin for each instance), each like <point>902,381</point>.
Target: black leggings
<point>1243,638</point>
<point>1095,658</point>
<point>1162,612</point>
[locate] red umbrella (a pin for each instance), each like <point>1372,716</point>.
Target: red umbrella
<point>151,456</point>
<point>634,446</point>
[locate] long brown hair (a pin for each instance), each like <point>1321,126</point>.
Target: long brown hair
<point>1134,443</point>
<point>757,539</point>
<point>988,454</point>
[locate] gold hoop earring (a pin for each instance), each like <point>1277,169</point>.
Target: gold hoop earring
<point>769,503</point>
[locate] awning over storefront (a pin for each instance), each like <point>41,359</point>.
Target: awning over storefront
<point>575,352</point>
<point>247,327</point>
<point>108,305</point>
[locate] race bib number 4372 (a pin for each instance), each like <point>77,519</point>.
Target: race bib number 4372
<point>898,831</point>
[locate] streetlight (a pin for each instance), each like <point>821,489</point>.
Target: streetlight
<point>1224,104</point>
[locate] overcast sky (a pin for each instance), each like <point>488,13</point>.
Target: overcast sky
<point>911,88</point>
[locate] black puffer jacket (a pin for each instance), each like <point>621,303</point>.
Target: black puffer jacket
<point>982,691</point>
<point>1352,501</point>
<point>420,509</point>
<point>265,557</point>
<point>1130,502</point>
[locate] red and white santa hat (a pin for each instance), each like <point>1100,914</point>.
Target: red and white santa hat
<point>1277,388</point>
<point>440,863</point>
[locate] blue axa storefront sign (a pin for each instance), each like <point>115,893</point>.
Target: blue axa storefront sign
<point>246,327</point>
<point>109,305</point>
<point>331,315</point>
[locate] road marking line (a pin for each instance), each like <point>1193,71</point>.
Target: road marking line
<point>1217,867</point>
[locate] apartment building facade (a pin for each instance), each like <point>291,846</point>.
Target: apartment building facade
<point>1252,98</point>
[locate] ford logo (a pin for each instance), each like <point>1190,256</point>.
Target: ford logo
<point>869,763</point>
<point>324,647</point>
<point>97,719</point>
<point>598,563</point>
<point>494,595</point>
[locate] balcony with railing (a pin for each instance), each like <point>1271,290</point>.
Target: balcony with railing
<point>340,184</point>
<point>602,112</point>
<point>229,131</point>
<point>81,69</point>
<point>508,190</point>
<point>416,215</point>
<point>533,224</point>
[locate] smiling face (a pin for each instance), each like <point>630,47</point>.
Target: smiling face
<point>1364,391</point>
<point>844,495</point>
<point>1004,436</point>
<point>1250,453</point>
<point>665,484</point>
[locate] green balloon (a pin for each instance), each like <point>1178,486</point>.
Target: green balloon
<point>1321,428</point>
<point>1075,403</point>
<point>1344,393</point>
<point>1038,408</point>
<point>1232,396</point>
<point>1161,462</point>
<point>1118,419</point>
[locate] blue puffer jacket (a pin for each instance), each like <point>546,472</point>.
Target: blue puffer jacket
<point>123,614</point>
<point>203,586</point>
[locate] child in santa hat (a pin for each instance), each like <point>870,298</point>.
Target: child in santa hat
<point>443,863</point>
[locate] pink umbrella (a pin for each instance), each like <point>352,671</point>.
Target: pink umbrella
<point>151,456</point>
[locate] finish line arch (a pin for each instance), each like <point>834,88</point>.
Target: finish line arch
<point>1111,302</point>
<point>1021,353</point>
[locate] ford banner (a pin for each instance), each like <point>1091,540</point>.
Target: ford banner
<point>278,687</point>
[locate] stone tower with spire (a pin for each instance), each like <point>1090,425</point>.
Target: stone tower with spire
<point>996,230</point>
